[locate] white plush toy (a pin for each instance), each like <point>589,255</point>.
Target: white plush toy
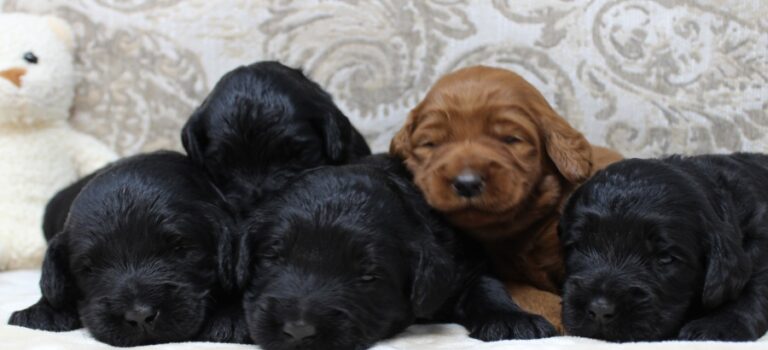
<point>39,152</point>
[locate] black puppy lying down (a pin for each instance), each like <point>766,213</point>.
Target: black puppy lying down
<point>671,248</point>
<point>262,125</point>
<point>144,257</point>
<point>346,256</point>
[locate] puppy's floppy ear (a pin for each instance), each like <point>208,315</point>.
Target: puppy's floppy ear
<point>566,147</point>
<point>336,131</point>
<point>728,268</point>
<point>401,146</point>
<point>577,217</point>
<point>56,282</point>
<point>433,267</point>
<point>57,308</point>
<point>226,244</point>
<point>247,248</point>
<point>433,276</point>
<point>194,137</point>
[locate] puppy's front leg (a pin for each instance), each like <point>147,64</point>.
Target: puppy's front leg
<point>486,310</point>
<point>743,319</point>
<point>226,324</point>
<point>42,315</point>
<point>539,302</point>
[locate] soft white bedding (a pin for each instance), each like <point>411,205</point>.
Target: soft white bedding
<point>19,289</point>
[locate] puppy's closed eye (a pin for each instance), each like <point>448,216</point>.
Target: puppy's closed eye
<point>368,278</point>
<point>569,242</point>
<point>665,259</point>
<point>663,254</point>
<point>510,140</point>
<point>429,137</point>
<point>271,253</point>
<point>427,144</point>
<point>370,274</point>
<point>427,141</point>
<point>84,266</point>
<point>177,244</point>
<point>575,282</point>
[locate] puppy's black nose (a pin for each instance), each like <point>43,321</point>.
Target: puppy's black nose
<point>141,315</point>
<point>299,329</point>
<point>468,184</point>
<point>601,310</point>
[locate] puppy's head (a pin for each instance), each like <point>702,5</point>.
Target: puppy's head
<point>643,249</point>
<point>139,262</point>
<point>333,267</point>
<point>484,141</point>
<point>264,123</point>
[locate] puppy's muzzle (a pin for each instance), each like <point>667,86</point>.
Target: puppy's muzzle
<point>468,170</point>
<point>610,297</point>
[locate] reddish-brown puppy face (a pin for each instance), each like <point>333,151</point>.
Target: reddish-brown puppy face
<point>484,144</point>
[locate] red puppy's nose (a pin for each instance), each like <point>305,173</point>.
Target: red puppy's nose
<point>468,184</point>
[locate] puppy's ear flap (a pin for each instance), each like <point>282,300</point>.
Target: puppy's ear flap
<point>567,148</point>
<point>433,275</point>
<point>194,137</point>
<point>57,308</point>
<point>401,146</point>
<point>728,268</point>
<point>336,131</point>
<point>226,246</point>
<point>247,247</point>
<point>56,282</point>
<point>434,269</point>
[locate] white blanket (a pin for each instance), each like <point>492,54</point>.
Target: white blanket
<point>19,289</point>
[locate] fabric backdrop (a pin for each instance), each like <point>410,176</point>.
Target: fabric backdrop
<point>647,77</point>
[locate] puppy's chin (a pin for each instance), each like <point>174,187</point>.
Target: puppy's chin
<point>639,332</point>
<point>181,313</point>
<point>635,321</point>
<point>476,220</point>
<point>344,324</point>
<point>274,339</point>
<point>339,333</point>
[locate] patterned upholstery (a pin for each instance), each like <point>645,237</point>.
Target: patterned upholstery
<point>647,77</point>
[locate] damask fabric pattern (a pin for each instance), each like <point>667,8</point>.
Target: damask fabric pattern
<point>646,77</point>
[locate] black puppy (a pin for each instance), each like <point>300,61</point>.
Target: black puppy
<point>346,256</point>
<point>671,248</point>
<point>144,257</point>
<point>263,124</point>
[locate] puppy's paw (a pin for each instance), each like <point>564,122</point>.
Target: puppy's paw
<point>512,325</point>
<point>718,328</point>
<point>225,328</point>
<point>43,316</point>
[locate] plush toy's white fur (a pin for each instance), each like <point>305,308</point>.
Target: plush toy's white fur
<point>39,152</point>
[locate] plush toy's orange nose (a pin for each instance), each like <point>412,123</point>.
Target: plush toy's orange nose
<point>13,75</point>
